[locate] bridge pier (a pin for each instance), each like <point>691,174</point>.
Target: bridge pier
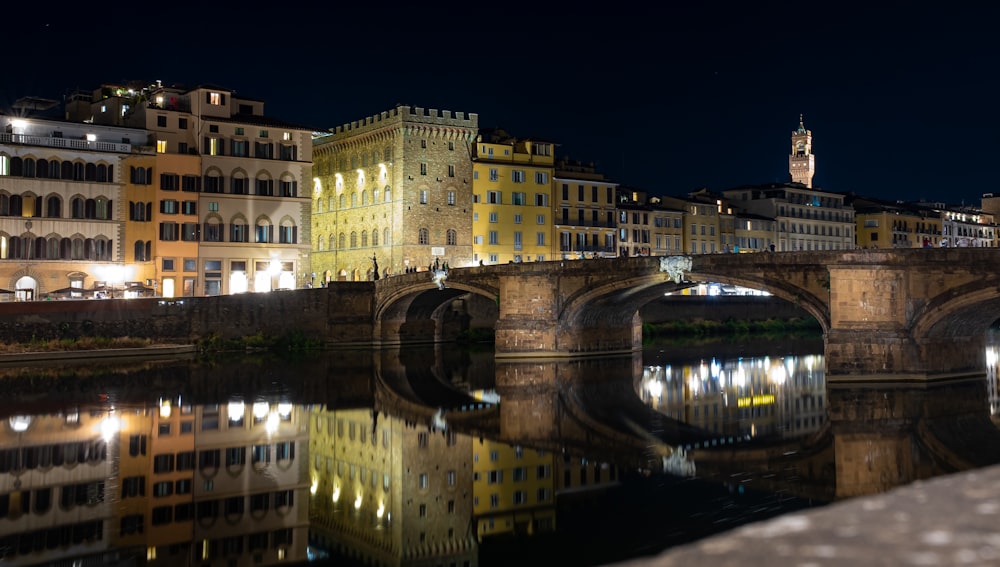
<point>883,326</point>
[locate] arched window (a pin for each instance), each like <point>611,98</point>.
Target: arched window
<point>342,241</point>
<point>103,173</point>
<point>67,170</point>
<point>364,197</point>
<point>78,172</point>
<point>385,237</point>
<point>354,239</point>
<point>102,208</point>
<point>29,167</point>
<point>330,207</point>
<point>43,168</point>
<point>77,207</point>
<point>4,204</point>
<point>364,238</point>
<point>140,251</point>
<point>52,248</point>
<point>91,173</point>
<point>54,169</point>
<point>354,200</point>
<point>333,241</point>
<point>320,242</point>
<point>452,237</point>
<point>424,236</point>
<point>288,233</point>
<point>342,201</point>
<point>375,237</point>
<point>388,194</point>
<point>65,249</point>
<point>53,207</point>
<point>264,232</point>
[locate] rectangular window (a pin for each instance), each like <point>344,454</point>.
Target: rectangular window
<point>517,176</point>
<point>189,207</point>
<point>517,240</point>
<point>451,198</point>
<point>541,178</point>
<point>517,218</point>
<point>423,169</point>
<point>494,217</point>
<point>541,200</point>
<point>494,237</point>
<point>493,197</point>
<point>518,198</point>
<point>540,239</point>
<point>494,175</point>
<point>540,219</point>
<point>451,171</point>
<point>423,196</point>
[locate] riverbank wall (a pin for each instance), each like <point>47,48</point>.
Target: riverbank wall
<point>321,312</point>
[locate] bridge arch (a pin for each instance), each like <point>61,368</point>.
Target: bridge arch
<point>419,312</point>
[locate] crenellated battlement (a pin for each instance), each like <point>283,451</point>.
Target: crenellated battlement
<point>407,114</point>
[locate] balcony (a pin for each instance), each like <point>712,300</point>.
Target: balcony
<point>68,143</point>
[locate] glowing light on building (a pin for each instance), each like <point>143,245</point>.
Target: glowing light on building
<point>260,410</point>
<point>165,409</point>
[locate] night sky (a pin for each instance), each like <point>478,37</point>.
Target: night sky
<point>901,98</point>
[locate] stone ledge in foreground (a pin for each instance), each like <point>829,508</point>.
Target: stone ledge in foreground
<point>950,520</point>
<point>154,351</point>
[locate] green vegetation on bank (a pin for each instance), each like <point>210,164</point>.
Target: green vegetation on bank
<point>73,344</point>
<point>733,327</point>
<point>294,342</point>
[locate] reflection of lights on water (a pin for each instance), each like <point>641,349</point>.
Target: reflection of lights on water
<point>381,510</point>
<point>991,356</point>
<point>357,502</point>
<point>314,486</point>
<point>271,425</point>
<point>336,493</point>
<point>655,388</point>
<point>109,427</point>
<point>260,410</point>
<point>235,410</point>
<point>20,423</point>
<point>778,374</point>
<point>740,377</point>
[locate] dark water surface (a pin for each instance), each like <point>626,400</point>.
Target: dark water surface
<point>448,457</point>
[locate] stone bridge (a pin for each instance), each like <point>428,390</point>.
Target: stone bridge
<point>886,315</point>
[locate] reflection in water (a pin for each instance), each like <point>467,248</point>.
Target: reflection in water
<point>741,397</point>
<point>412,458</point>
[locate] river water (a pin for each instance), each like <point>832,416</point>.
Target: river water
<point>444,456</point>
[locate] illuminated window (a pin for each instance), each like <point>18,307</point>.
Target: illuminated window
<point>216,99</point>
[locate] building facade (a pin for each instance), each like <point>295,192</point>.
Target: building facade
<point>393,189</point>
<point>512,202</point>
<point>61,214</point>
<point>242,223</point>
<point>585,211</point>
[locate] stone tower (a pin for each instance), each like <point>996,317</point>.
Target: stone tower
<point>801,162</point>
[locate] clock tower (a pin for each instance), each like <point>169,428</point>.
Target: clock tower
<point>801,162</point>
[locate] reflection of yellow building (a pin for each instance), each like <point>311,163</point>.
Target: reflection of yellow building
<point>389,492</point>
<point>511,210</point>
<point>513,488</point>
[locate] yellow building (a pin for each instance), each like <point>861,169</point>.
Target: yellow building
<point>396,189</point>
<point>886,224</point>
<point>753,233</point>
<point>513,489</point>
<point>512,203</point>
<point>585,212</point>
